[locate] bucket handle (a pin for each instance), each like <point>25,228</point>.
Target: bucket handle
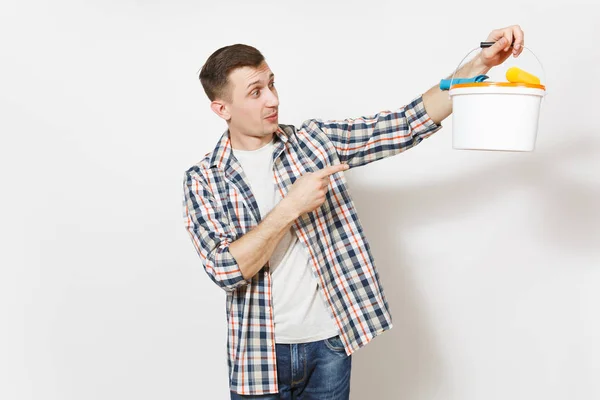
<point>477,48</point>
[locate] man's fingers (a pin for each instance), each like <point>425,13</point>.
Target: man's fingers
<point>499,46</point>
<point>512,36</point>
<point>519,36</point>
<point>509,39</point>
<point>332,169</point>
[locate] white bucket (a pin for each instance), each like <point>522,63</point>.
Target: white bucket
<point>499,116</point>
<point>494,117</point>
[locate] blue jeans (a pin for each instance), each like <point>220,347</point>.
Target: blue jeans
<point>316,370</point>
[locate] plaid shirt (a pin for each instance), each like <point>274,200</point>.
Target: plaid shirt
<point>219,207</point>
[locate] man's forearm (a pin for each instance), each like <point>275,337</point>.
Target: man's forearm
<point>253,250</point>
<point>437,102</point>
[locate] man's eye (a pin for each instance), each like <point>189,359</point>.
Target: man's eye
<point>256,92</point>
<point>272,84</point>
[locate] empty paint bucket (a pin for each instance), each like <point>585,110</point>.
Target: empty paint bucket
<point>500,116</point>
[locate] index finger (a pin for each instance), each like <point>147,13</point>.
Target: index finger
<point>332,169</point>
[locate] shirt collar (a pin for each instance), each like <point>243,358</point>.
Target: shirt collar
<point>222,154</point>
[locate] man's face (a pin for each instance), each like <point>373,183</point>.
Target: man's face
<point>253,109</point>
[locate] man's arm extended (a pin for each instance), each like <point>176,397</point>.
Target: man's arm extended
<point>359,141</point>
<point>438,103</point>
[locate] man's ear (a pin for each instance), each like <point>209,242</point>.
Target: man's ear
<point>220,108</point>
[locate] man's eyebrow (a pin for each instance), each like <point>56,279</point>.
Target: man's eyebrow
<point>258,81</point>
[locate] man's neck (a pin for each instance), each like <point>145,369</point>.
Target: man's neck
<point>248,143</point>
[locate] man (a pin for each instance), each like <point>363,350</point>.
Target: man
<point>270,214</point>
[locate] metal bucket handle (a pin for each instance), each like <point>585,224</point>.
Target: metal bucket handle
<point>482,45</point>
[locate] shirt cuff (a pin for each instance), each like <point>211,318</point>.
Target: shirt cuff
<point>419,121</point>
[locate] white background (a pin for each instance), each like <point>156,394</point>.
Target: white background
<point>490,261</point>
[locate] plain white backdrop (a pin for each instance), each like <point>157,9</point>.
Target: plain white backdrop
<point>490,261</point>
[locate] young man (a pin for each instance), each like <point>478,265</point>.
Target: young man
<point>270,215</point>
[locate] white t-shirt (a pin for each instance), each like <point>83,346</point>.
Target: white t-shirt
<point>299,309</point>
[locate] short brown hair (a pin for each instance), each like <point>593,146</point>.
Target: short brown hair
<point>215,72</point>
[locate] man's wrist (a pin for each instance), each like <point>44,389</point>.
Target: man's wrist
<point>287,211</point>
<point>477,67</point>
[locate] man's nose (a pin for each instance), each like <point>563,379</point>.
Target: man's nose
<point>272,99</point>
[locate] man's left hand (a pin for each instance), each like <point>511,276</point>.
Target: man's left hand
<point>501,50</point>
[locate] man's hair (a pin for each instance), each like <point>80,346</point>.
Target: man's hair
<point>215,72</point>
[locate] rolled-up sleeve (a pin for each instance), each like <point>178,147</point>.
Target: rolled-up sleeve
<point>359,141</point>
<point>210,233</point>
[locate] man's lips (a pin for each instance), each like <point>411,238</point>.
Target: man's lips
<point>272,116</point>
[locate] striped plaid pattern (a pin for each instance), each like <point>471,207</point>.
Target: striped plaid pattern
<point>219,207</point>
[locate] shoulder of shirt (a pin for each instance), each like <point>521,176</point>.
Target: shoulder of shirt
<point>200,168</point>
<point>310,126</point>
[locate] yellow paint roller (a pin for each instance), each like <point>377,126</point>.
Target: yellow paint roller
<point>517,75</point>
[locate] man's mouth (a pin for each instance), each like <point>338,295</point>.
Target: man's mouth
<point>272,116</point>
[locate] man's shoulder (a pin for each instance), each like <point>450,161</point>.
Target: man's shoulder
<point>200,168</point>
<point>310,127</point>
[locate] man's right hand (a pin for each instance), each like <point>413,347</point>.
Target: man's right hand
<point>308,192</point>
<point>254,249</point>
